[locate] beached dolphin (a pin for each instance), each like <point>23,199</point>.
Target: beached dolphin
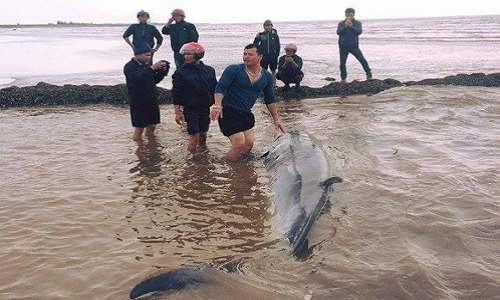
<point>173,280</point>
<point>300,176</point>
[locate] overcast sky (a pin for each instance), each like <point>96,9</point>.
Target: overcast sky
<point>233,11</point>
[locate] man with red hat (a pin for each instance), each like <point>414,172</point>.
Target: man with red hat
<point>181,32</point>
<point>193,87</point>
<point>290,68</point>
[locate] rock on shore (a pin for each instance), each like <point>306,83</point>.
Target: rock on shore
<point>47,94</point>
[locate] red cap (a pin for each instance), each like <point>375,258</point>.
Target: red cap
<point>193,47</point>
<point>178,11</point>
<point>292,47</point>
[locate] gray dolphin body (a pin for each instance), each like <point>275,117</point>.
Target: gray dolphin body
<point>300,177</point>
<point>174,280</point>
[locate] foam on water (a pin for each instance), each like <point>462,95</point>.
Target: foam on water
<point>6,81</point>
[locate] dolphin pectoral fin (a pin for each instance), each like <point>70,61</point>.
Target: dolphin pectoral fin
<point>327,182</point>
<point>173,280</point>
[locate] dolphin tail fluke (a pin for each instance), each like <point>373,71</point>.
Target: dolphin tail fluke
<point>326,183</point>
<point>173,280</point>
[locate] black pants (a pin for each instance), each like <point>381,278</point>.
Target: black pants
<point>289,77</point>
<point>178,59</point>
<point>344,52</point>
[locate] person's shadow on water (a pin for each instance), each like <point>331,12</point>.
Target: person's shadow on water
<point>150,157</point>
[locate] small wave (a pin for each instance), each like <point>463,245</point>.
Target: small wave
<point>5,81</point>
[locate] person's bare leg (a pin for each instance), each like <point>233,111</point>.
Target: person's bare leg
<point>137,135</point>
<point>150,130</point>
<point>274,77</point>
<point>241,143</point>
<point>193,141</point>
<point>248,141</point>
<point>237,145</point>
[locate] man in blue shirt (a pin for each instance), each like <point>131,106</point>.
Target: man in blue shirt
<point>239,87</point>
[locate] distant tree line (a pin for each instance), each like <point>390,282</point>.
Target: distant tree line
<point>71,23</point>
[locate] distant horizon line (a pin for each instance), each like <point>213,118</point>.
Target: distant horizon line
<point>72,23</point>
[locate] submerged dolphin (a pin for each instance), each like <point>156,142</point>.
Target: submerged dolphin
<point>300,178</point>
<point>174,280</point>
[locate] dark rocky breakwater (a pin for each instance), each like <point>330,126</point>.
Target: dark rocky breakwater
<point>48,94</point>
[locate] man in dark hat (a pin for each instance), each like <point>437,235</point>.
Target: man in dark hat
<point>269,45</point>
<point>143,32</point>
<point>142,91</point>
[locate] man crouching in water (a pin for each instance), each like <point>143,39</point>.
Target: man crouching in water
<point>193,86</point>
<point>142,91</point>
<point>235,95</point>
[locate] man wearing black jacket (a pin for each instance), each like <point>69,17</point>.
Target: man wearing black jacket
<point>142,91</point>
<point>269,45</point>
<point>193,86</point>
<point>181,32</point>
<point>143,32</point>
<point>348,31</point>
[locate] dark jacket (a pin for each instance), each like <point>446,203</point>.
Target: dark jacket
<point>141,82</point>
<point>269,42</point>
<point>144,33</point>
<point>289,70</point>
<point>180,33</point>
<point>193,86</point>
<point>348,36</point>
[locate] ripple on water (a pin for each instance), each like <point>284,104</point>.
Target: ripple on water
<point>87,213</point>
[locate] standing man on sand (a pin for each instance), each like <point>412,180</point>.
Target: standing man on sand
<point>349,31</point>
<point>235,95</point>
<point>143,32</point>
<point>181,32</point>
<point>269,44</point>
<point>193,87</point>
<point>142,91</point>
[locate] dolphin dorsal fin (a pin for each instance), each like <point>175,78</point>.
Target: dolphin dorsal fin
<point>327,182</point>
